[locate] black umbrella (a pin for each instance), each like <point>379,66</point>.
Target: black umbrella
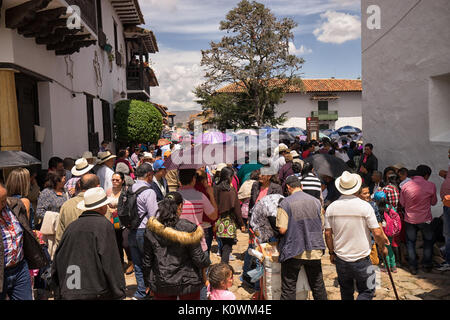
<point>328,165</point>
<point>12,159</point>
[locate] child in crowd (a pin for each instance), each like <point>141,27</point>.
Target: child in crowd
<point>383,207</point>
<point>220,279</point>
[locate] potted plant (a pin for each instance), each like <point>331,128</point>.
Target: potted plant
<point>107,48</point>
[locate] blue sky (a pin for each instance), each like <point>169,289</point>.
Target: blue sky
<point>327,37</point>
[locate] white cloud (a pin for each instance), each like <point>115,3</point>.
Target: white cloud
<point>178,74</point>
<point>338,27</point>
<point>298,51</point>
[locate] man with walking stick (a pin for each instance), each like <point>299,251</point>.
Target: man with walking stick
<point>348,224</point>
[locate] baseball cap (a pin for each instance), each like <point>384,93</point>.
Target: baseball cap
<point>159,164</point>
<point>379,195</point>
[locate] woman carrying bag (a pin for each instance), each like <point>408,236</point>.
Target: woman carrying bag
<point>229,212</point>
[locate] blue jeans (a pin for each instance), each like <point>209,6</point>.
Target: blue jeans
<point>136,244</point>
<point>447,233</point>
<point>363,272</point>
<point>428,240</point>
<point>17,283</point>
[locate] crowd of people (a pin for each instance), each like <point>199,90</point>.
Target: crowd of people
<point>100,217</point>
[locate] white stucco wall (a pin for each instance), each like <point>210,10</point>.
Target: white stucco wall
<point>65,116</point>
<point>398,67</point>
<point>299,107</point>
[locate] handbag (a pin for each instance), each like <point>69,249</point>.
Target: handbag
<point>226,227</point>
<point>115,220</point>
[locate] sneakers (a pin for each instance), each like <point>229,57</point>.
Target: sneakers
<point>444,267</point>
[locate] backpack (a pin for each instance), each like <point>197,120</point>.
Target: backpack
<point>393,222</point>
<point>127,208</point>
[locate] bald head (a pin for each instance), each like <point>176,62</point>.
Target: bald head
<point>89,181</point>
<point>3,197</point>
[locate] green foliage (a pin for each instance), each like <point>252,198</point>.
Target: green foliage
<point>254,53</point>
<point>137,122</point>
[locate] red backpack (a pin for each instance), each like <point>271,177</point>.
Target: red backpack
<point>393,222</point>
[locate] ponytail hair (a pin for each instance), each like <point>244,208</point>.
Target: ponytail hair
<point>307,168</point>
<point>382,206</point>
<point>167,209</point>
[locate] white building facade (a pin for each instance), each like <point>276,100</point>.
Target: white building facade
<point>68,92</point>
<point>342,109</point>
<point>406,80</point>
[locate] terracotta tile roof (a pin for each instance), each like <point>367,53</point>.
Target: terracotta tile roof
<point>310,85</point>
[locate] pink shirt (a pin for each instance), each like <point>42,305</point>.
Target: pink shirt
<point>445,187</point>
<point>195,203</point>
<point>262,194</point>
<point>221,295</point>
<point>417,197</point>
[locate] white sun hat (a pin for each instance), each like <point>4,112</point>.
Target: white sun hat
<point>81,167</point>
<point>104,156</point>
<point>94,198</point>
<point>348,183</point>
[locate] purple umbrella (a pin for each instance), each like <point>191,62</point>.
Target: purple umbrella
<point>211,137</point>
<point>202,155</point>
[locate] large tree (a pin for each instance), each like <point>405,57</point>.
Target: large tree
<point>255,56</point>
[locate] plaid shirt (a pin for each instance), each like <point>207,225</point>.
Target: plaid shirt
<point>71,185</point>
<point>12,236</point>
<point>392,195</point>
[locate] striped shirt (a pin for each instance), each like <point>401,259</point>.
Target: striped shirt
<point>312,185</point>
<point>12,237</point>
<point>195,203</point>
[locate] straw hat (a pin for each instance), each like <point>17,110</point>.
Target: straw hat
<point>348,183</point>
<point>147,155</point>
<point>295,154</point>
<point>93,199</point>
<point>105,156</point>
<point>81,167</point>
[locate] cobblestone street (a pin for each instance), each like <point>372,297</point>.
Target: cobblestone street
<point>423,286</point>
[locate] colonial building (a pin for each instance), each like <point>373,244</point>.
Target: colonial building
<point>337,102</point>
<point>406,79</point>
<point>62,78</point>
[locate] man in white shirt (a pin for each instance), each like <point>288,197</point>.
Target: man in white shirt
<point>348,224</point>
<point>105,172</point>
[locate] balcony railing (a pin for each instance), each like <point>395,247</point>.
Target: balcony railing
<point>138,79</point>
<point>325,115</point>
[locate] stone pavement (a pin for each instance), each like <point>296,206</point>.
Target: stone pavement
<point>423,286</point>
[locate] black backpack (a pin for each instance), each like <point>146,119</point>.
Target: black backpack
<point>127,208</point>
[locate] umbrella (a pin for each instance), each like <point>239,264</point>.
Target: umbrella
<point>328,132</point>
<point>163,142</point>
<point>212,137</point>
<point>348,129</point>
<point>328,165</point>
<point>284,135</point>
<point>202,155</point>
<point>296,131</point>
<point>11,159</point>
<point>322,135</point>
<point>249,132</point>
<point>268,130</point>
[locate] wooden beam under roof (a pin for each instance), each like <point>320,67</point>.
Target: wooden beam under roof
<point>41,19</point>
<point>22,14</point>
